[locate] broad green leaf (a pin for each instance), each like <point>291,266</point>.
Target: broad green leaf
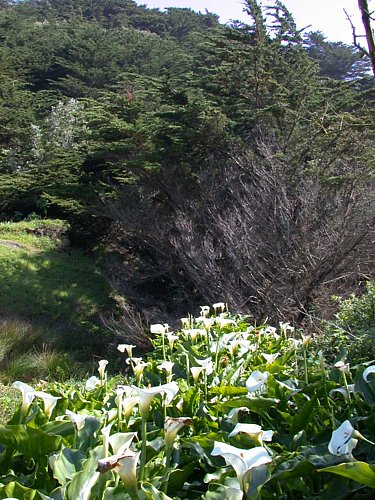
<point>86,437</point>
<point>258,477</point>
<point>16,490</point>
<point>293,468</point>
<point>255,404</point>
<point>227,390</point>
<point>361,472</point>
<point>65,464</point>
<point>178,477</point>
<point>59,428</point>
<point>225,492</point>
<point>84,481</point>
<point>304,416</point>
<point>32,443</point>
<point>153,493</point>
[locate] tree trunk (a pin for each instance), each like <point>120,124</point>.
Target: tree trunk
<point>366,20</point>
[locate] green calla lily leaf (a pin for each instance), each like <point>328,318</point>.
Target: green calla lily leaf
<point>66,463</point>
<point>16,490</point>
<point>32,443</point>
<point>361,472</point>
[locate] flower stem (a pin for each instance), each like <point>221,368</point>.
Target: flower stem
<point>305,365</point>
<point>143,447</point>
<point>168,454</point>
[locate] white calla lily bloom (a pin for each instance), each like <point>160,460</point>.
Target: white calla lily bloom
<point>102,367</point>
<point>92,383</point>
<point>49,401</point>
<point>252,430</point>
<point>205,310</point>
<point>206,364</point>
<point>343,390</point>
<point>366,373</point>
<point>167,366</point>
<point>146,395</point>
<point>172,426</point>
<point>342,441</point>
<point>241,460</point>
<point>196,371</point>
<point>233,414</point>
<point>77,419</point>
<point>256,381</point>
<point>128,348</point>
<point>270,358</point>
<point>158,329</point>
<point>219,305</point>
<point>126,468</point>
<point>194,332</point>
<point>139,367</point>
<point>28,394</point>
<point>185,322</point>
<point>171,339</point>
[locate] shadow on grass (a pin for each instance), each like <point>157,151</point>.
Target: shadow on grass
<point>61,290</point>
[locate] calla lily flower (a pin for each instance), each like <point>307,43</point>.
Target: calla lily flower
<point>342,366</point>
<point>205,310</point>
<point>194,332</point>
<point>242,346</point>
<point>128,405</point>
<point>206,364</point>
<point>241,460</point>
<point>208,322</point>
<point>102,366</point>
<point>77,419</point>
<point>270,331</point>
<point>138,369</point>
<point>28,394</point>
<point>167,366</point>
<point>196,371</point>
<point>171,339</point>
<point>185,322</point>
<point>306,339</point>
<point>366,373</point>
<point>286,326</point>
<point>49,401</point>
<point>342,441</point>
<point>158,329</point>
<point>126,468</point>
<point>126,347</point>
<point>223,322</point>
<point>233,414</point>
<point>270,358</point>
<point>146,395</point>
<point>252,430</point>
<point>172,426</point>
<point>256,380</point>
<point>92,383</point>
<point>343,390</point>
<point>219,305</point>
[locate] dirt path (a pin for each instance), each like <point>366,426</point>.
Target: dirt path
<point>13,244</point>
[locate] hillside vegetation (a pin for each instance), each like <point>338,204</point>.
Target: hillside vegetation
<point>215,162</point>
<point>51,299</point>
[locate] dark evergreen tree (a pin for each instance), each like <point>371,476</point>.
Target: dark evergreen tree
<point>336,59</point>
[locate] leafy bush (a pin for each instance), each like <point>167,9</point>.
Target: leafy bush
<point>220,409</point>
<point>353,327</point>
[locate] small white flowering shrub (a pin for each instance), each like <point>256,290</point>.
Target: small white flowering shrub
<point>220,409</point>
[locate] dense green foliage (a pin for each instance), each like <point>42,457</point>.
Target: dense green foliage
<point>221,409</point>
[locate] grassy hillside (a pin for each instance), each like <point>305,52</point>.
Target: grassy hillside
<point>51,298</point>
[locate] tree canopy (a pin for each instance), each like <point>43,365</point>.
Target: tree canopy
<point>217,159</point>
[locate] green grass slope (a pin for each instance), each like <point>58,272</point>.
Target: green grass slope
<point>51,299</point>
